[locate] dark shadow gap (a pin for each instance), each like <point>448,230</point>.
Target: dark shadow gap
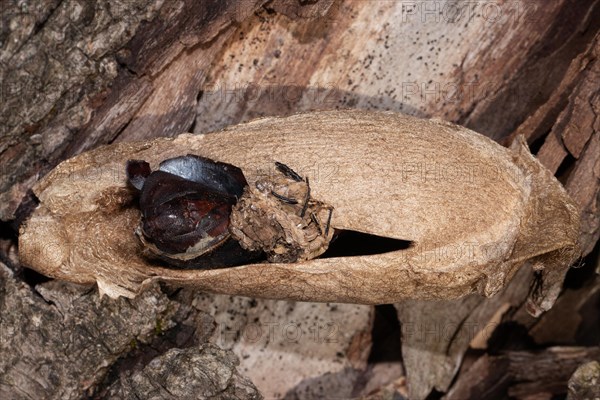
<point>348,243</point>
<point>435,395</point>
<point>565,168</point>
<point>386,336</point>
<point>510,336</point>
<point>32,277</point>
<point>26,207</point>
<point>536,145</point>
<point>582,271</point>
<point>7,231</point>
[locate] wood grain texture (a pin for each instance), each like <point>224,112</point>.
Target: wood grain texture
<point>69,88</point>
<point>502,68</point>
<point>522,375</point>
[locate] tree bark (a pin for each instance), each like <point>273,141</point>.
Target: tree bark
<point>77,74</point>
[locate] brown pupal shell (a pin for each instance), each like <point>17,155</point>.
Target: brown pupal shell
<point>473,210</point>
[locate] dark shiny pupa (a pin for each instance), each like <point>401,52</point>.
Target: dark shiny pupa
<point>186,205</point>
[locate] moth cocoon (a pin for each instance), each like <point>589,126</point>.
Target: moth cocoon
<point>473,211</point>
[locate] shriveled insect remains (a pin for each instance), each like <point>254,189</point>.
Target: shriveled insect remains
<point>200,213</point>
<point>279,217</point>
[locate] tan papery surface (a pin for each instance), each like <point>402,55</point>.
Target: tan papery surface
<point>474,211</point>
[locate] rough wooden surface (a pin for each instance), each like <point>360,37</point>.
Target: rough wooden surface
<point>76,72</point>
<point>282,343</point>
<point>498,67</point>
<point>72,338</point>
<point>585,382</point>
<point>572,143</point>
<point>196,373</point>
<point>522,374</point>
<point>437,334</point>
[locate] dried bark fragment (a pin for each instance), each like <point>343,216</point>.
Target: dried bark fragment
<point>584,186</point>
<point>571,116</point>
<point>437,333</point>
<point>204,372</point>
<point>60,342</point>
<point>521,374</point>
<point>59,55</point>
<point>585,382</point>
<point>570,310</point>
<point>301,8</point>
<point>76,73</point>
